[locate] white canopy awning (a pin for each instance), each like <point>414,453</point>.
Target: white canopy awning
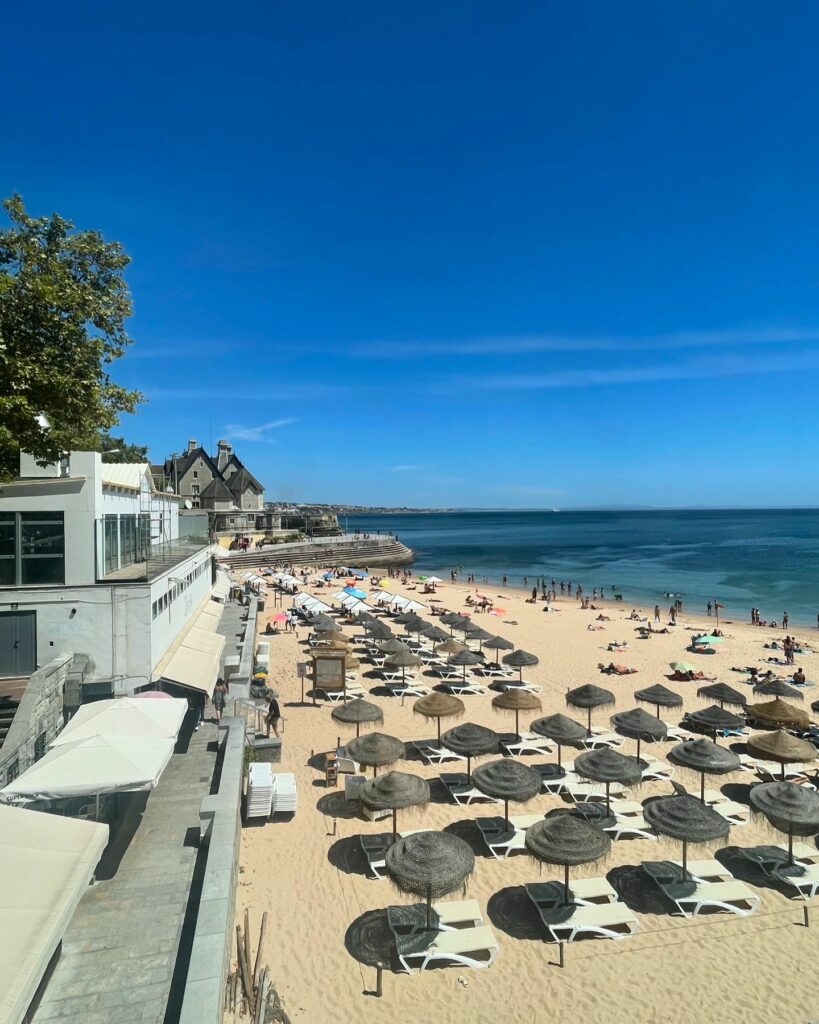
<point>125,716</point>
<point>91,767</point>
<point>193,661</point>
<point>46,863</point>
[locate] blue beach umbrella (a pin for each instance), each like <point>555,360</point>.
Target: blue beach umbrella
<point>354,592</point>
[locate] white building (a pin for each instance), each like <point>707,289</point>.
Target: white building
<point>91,562</point>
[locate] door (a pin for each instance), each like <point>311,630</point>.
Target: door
<point>18,643</point>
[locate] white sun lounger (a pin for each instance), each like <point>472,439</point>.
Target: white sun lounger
<point>806,883</point>
<point>502,840</point>
<point>408,689</point>
<point>445,672</point>
<point>466,947</point>
<point>584,892</point>
<point>601,739</point>
<point>529,743</point>
<point>631,826</point>
<point>656,770</point>
<point>450,914</point>
<point>395,677</point>
<point>375,849</point>
<point>338,696</point>
<point>515,684</point>
<point>603,921</point>
<point>736,813</point>
<point>734,897</point>
<point>580,790</point>
<point>437,755</point>
<point>462,792</point>
<point>463,688</point>
<point>492,671</point>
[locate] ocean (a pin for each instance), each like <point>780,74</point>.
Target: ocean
<point>763,558</point>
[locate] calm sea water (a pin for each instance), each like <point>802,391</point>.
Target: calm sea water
<point>768,559</point>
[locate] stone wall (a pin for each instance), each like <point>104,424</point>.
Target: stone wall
<point>40,714</point>
<point>214,935</point>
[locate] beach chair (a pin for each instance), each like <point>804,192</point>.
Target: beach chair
<point>804,878</point>
<point>551,781</point>
<point>436,755</point>
<point>339,696</point>
<point>395,677</point>
<point>516,684</point>
<point>462,791</point>
<point>446,672</point>
<point>375,850</point>
<point>582,892</point>
<point>733,897</point>
<point>502,839</point>
<point>345,763</point>
<point>411,918</point>
<point>464,688</point>
<point>630,826</point>
<point>656,770</point>
<point>429,657</point>
<point>492,671</point>
<point>736,813</point>
<point>466,947</point>
<point>580,790</point>
<point>400,689</point>
<point>529,743</point>
<point>601,739</point>
<point>669,872</point>
<point>600,921</point>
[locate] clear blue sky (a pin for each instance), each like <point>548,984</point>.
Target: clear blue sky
<point>494,254</point>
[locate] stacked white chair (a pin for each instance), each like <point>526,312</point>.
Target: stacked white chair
<point>260,790</point>
<point>284,793</point>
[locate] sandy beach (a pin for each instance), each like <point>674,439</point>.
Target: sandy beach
<point>310,875</point>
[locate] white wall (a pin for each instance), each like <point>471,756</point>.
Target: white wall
<point>166,626</point>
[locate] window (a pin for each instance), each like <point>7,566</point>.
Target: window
<point>194,488</point>
<point>13,770</point>
<point>111,541</point>
<point>196,477</point>
<point>32,548</point>
<point>39,746</point>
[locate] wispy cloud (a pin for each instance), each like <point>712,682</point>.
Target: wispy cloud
<point>405,468</point>
<point>702,368</point>
<point>522,344</point>
<point>240,433</point>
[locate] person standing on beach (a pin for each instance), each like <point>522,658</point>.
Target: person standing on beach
<point>709,608</point>
<point>672,614</point>
<point>504,579</point>
<point>273,716</point>
<point>656,613</point>
<point>784,620</point>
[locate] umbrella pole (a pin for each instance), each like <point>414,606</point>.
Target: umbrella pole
<point>638,748</point>
<point>702,787</point>
<point>375,770</point>
<point>559,756</point>
<point>506,813</point>
<point>520,674</point>
<point>565,885</point>
<point>589,725</point>
<point>357,729</point>
<point>394,823</point>
<point>429,912</point>
<point>685,860</point>
<point>790,844</point>
<point>517,726</point>
<point>438,720</point>
<point>608,808</point>
<point>468,767</point>
<point>658,710</point>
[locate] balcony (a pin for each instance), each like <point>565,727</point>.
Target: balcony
<point>159,559</point>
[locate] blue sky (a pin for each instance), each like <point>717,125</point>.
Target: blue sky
<point>472,254</point>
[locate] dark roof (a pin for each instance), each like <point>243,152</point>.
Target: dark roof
<point>217,489</point>
<point>184,463</point>
<point>243,479</point>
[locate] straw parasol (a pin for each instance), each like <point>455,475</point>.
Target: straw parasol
<point>451,618</point>
<point>507,780</point>
<point>356,712</point>
<point>479,634</point>
<point>465,658</point>
<point>430,865</point>
<point>589,696</point>
<point>415,624</point>
<point>402,659</point>
<point>439,705</point>
<point>392,646</point>
<point>393,791</point>
<point>714,719</point>
<point>566,840</point>
<point>560,730</point>
<point>471,740</point>
<point>435,634</point>
<point>608,766</point>
<point>517,700</point>
<point>778,688</point>
<point>322,623</point>
<point>660,696</point>
<point>498,644</point>
<point>778,712</point>
<point>781,747</point>
<point>704,757</point>
<point>520,660</point>
<point>684,817</point>
<point>722,694</point>
<point>375,750</point>
<point>378,630</point>
<point>789,808</point>
<point>452,646</point>
<point>639,725</point>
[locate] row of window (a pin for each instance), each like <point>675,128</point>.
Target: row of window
<point>127,539</point>
<point>13,768</point>
<point>170,595</point>
<point>32,548</point>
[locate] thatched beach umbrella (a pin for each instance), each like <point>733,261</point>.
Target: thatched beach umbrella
<point>322,623</point>
<point>430,865</point>
<point>778,712</point>
<point>566,840</point>
<point>713,719</point>
<point>789,808</point>
<point>435,634</point>
<point>460,624</point>
<point>451,646</point>
<point>516,700</point>
<point>704,757</point>
<point>778,688</point>
<point>392,792</point>
<point>470,741</point>
<point>660,696</point>
<point>378,630</point>
<point>334,634</point>
<point>639,725</point>
<point>392,646</point>
<point>356,712</point>
<point>781,747</point>
<point>375,750</point>
<point>439,705</point>
<point>402,659</point>
<point>507,780</point>
<point>589,697</point>
<point>607,766</point>
<point>498,644</point>
<point>687,819</point>
<point>560,730</point>
<point>464,659</point>
<point>722,694</point>
<point>479,634</point>
<point>415,624</point>
<point>520,660</point>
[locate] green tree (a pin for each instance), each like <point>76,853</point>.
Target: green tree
<point>117,449</point>
<point>63,306</point>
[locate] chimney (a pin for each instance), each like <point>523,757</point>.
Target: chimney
<point>223,454</point>
<point>193,444</point>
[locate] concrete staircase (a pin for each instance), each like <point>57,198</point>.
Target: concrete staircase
<point>352,551</point>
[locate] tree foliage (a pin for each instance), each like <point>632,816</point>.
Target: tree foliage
<point>117,449</point>
<point>63,306</point>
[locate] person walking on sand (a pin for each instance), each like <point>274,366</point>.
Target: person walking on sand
<point>273,716</point>
<point>709,609</point>
<point>656,613</point>
<point>784,620</point>
<point>219,697</point>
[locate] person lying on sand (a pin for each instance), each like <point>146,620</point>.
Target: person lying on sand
<point>603,618</point>
<point>616,670</point>
<point>591,626</point>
